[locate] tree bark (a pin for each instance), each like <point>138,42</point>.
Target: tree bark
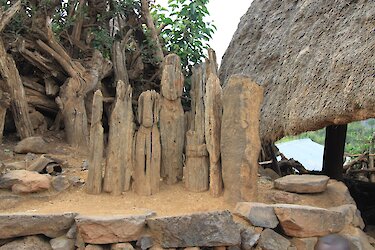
<point>12,80</point>
<point>154,34</point>
<point>4,104</point>
<point>94,179</point>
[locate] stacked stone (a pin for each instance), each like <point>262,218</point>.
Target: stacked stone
<point>251,226</point>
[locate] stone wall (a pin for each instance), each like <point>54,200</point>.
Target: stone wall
<point>315,60</point>
<point>251,226</point>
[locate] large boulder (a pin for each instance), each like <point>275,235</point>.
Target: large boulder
<point>34,144</point>
<point>307,221</point>
<point>110,229</point>
<point>51,225</point>
<point>23,181</point>
<point>201,229</point>
<point>314,58</point>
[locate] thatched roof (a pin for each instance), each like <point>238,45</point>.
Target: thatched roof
<point>316,60</point>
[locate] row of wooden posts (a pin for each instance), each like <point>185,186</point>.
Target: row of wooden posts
<point>138,160</point>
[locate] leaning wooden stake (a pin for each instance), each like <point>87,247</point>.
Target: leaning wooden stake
<point>240,140</point>
<point>94,179</point>
<point>172,123</point>
<point>119,165</point>
<point>147,145</point>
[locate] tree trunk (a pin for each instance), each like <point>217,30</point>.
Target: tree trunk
<point>154,34</point>
<point>371,158</point>
<point>12,80</point>
<point>13,85</point>
<point>4,104</point>
<point>94,179</point>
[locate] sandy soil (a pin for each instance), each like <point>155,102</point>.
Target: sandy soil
<point>171,200</point>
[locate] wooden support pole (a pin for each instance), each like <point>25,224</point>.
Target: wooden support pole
<point>94,179</point>
<point>334,145</point>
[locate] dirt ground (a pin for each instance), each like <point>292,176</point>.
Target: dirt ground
<point>171,200</point>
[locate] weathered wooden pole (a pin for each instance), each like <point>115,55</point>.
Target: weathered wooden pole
<point>334,145</point>
<point>119,165</point>
<point>212,116</point>
<point>147,145</point>
<point>94,179</point>
<point>240,140</point>
<point>172,123</point>
<point>197,164</point>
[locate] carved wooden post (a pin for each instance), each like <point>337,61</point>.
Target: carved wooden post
<point>94,179</point>
<point>119,165</point>
<point>147,145</point>
<point>240,141</point>
<point>172,120</point>
<point>213,113</point>
<point>196,170</point>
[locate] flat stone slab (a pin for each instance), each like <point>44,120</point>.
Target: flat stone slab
<point>200,229</point>
<point>51,225</point>
<point>258,214</point>
<point>307,221</point>
<point>110,229</point>
<point>304,184</point>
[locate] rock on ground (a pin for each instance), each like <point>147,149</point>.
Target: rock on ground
<point>357,237</point>
<point>28,243</point>
<point>35,144</point>
<point>51,225</point>
<point>122,246</point>
<point>249,238</point>
<point>351,214</point>
<point>200,229</point>
<point>110,229</point>
<point>23,181</point>
<point>307,221</point>
<point>304,243</point>
<point>270,240</point>
<point>302,183</point>
<point>62,243</point>
<point>258,214</point>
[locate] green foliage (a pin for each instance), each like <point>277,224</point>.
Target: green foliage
<point>358,136</point>
<point>186,32</point>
